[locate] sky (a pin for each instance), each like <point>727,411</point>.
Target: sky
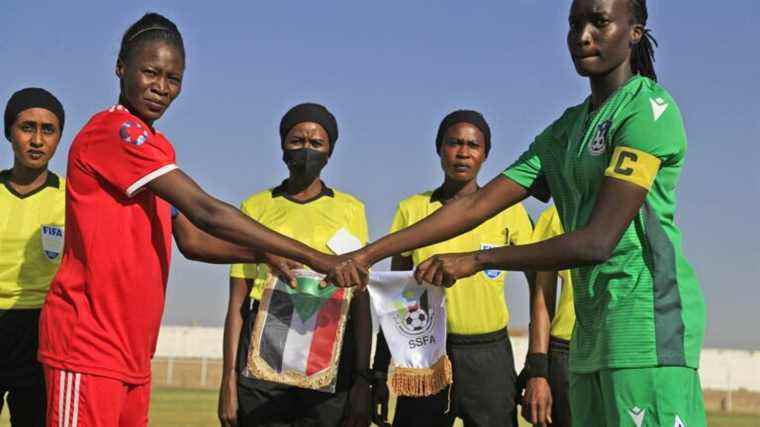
<point>390,71</point>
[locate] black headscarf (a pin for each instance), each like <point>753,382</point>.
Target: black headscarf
<point>310,112</point>
<point>31,97</point>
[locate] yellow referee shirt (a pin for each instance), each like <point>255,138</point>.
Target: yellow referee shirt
<point>31,241</point>
<point>312,223</point>
<point>475,305</point>
<point>549,226</point>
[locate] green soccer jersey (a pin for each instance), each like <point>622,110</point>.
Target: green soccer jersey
<point>643,306</point>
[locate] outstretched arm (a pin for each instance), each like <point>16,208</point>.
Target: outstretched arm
<point>616,206</point>
<point>226,222</point>
<point>197,245</point>
<point>453,219</point>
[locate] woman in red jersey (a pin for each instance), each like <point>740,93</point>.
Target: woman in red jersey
<point>100,322</point>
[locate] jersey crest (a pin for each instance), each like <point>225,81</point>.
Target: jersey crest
<point>598,143</point>
<point>491,274</point>
<point>133,133</point>
<point>52,241</point>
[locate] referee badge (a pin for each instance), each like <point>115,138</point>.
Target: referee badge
<point>491,274</point>
<point>52,241</point>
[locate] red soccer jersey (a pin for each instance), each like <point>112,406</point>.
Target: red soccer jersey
<point>104,307</point>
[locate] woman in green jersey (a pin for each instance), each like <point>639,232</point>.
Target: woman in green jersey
<point>611,165</point>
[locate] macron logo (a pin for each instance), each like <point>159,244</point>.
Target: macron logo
<point>658,107</point>
<point>637,415</point>
<point>679,422</point>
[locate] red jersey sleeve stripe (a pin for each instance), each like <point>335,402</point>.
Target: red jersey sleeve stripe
<point>140,183</point>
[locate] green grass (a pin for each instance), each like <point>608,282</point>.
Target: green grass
<point>197,408</point>
<point>183,407</point>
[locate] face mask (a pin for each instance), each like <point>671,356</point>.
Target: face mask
<point>305,162</point>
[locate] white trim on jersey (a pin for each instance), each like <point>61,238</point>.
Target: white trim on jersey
<point>77,379</point>
<point>61,383</point>
<point>140,183</point>
<point>68,400</point>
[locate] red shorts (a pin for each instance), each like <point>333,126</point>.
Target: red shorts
<point>76,399</point>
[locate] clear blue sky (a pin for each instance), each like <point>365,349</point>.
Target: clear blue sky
<point>390,71</point>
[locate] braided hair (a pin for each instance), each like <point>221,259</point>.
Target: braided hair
<point>642,56</point>
<point>150,27</point>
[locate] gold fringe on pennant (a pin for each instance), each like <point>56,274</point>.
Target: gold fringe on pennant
<point>420,382</point>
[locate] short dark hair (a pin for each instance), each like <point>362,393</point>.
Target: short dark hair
<point>463,116</point>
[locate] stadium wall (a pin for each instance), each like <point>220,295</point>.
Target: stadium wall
<point>192,356</point>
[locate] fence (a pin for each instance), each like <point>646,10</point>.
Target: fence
<point>191,357</point>
<point>187,372</point>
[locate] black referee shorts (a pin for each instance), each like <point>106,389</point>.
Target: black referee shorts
<point>22,382</point>
<point>559,351</point>
<point>264,403</point>
<point>483,392</point>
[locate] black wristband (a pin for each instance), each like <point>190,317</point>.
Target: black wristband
<point>537,365</point>
<point>379,376</point>
<point>366,374</point>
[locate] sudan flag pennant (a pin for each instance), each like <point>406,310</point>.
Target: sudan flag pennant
<point>413,320</point>
<point>298,333</point>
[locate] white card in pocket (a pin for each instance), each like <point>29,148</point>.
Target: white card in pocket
<point>343,242</point>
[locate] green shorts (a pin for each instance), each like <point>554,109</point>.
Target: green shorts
<point>668,396</point>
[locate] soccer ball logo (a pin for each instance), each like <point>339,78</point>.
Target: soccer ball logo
<point>416,319</point>
<point>414,316</point>
<point>133,133</point>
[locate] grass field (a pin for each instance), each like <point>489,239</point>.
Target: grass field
<point>197,408</point>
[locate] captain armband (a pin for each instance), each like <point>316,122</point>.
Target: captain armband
<point>635,166</point>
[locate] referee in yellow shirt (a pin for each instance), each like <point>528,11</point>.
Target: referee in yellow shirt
<point>546,370</point>
<point>478,345</point>
<point>304,208</point>
<point>32,215</point>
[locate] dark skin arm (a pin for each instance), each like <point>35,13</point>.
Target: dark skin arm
<point>617,204</point>
<point>197,245</point>
<point>542,300</point>
<point>454,218</point>
<point>360,395</point>
<point>537,401</point>
<point>233,324</point>
<point>224,221</point>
